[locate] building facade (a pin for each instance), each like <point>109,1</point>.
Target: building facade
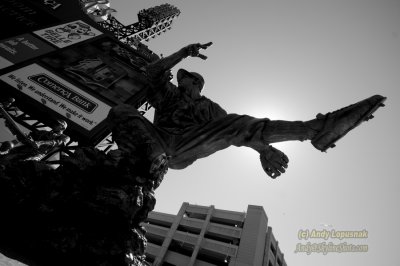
<point>204,236</point>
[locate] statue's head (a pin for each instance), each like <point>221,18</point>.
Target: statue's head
<point>59,125</point>
<point>6,145</point>
<point>197,78</point>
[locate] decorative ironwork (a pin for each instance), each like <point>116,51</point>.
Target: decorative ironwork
<point>152,22</point>
<point>31,124</point>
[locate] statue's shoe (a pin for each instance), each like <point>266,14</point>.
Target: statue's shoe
<point>337,124</point>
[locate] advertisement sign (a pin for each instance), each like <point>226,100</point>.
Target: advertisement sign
<point>18,16</point>
<point>69,33</point>
<point>103,67</point>
<point>23,47</point>
<point>58,95</point>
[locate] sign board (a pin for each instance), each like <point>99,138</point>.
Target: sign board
<point>104,68</point>
<point>59,95</point>
<point>18,16</point>
<point>22,47</point>
<point>67,34</point>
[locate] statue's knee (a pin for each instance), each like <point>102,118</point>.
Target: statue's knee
<point>121,113</point>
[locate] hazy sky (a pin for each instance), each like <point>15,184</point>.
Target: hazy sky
<point>290,60</point>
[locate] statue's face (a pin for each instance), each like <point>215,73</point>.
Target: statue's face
<point>58,128</point>
<point>190,85</point>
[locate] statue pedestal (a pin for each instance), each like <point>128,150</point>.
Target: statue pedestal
<point>86,212</point>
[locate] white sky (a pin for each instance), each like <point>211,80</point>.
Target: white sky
<point>289,60</point>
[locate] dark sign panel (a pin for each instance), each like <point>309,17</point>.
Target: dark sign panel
<point>104,68</point>
<point>63,9</point>
<point>17,17</point>
<point>22,47</point>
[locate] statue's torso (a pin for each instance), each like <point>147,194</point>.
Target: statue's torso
<point>176,112</point>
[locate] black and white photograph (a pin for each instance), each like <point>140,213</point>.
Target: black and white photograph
<point>269,137</point>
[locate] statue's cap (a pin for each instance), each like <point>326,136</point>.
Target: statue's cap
<point>182,72</point>
<point>61,122</point>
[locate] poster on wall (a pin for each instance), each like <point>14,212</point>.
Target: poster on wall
<point>22,47</point>
<point>103,67</point>
<point>69,33</point>
<point>58,95</point>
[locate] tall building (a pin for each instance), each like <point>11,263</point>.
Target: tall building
<point>205,236</point>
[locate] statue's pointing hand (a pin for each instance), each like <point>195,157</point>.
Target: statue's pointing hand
<point>273,161</point>
<point>194,50</point>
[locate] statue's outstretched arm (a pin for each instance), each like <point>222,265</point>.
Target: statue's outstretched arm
<point>158,68</point>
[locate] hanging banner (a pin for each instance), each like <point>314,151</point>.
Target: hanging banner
<point>69,33</point>
<point>58,95</point>
<point>22,47</point>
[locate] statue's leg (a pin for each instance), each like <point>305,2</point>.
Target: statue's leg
<point>332,126</point>
<point>130,130</point>
<point>279,131</point>
<point>243,130</point>
<point>237,130</point>
<point>136,136</point>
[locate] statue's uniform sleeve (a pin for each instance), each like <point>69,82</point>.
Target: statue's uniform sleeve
<point>159,85</point>
<point>208,110</point>
<point>217,111</point>
<point>161,93</point>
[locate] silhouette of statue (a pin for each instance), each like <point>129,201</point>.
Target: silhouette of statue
<point>70,207</point>
<point>188,126</point>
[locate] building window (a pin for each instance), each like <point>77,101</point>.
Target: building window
<point>273,249</point>
<point>154,239</point>
<point>181,247</point>
<point>149,258</point>
<point>159,223</point>
<point>168,264</point>
<point>221,238</point>
<point>213,258</point>
<point>227,222</point>
<point>188,229</point>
